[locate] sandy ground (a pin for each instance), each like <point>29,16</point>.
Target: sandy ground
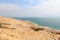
<point>12,29</point>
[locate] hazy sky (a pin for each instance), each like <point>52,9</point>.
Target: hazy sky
<point>30,8</point>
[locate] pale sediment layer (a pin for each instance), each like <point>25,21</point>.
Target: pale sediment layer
<point>12,29</point>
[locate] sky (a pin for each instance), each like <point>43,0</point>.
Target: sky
<point>30,8</point>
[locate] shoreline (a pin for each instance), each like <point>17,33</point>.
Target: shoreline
<point>13,29</point>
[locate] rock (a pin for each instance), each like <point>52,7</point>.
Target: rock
<point>37,29</point>
<point>12,29</point>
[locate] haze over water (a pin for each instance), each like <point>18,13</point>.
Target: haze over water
<point>50,22</point>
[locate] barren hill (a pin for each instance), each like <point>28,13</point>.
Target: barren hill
<point>12,29</point>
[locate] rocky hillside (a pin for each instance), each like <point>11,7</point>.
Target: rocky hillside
<point>12,29</point>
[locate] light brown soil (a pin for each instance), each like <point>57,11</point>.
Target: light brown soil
<point>12,29</point>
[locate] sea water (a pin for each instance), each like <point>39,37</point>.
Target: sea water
<point>50,22</point>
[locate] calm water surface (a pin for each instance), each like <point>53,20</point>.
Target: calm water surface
<point>50,22</point>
